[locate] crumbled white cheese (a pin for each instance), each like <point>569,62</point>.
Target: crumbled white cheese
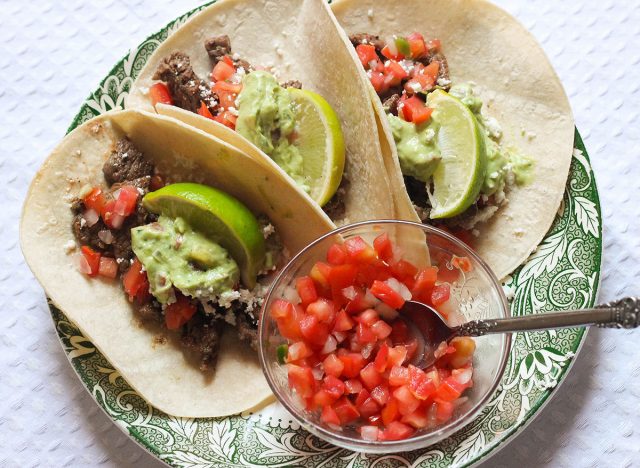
<point>233,111</point>
<point>268,230</point>
<point>443,82</point>
<point>69,247</point>
<point>493,127</point>
<point>226,298</point>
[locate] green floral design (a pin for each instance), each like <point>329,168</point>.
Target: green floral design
<point>563,273</point>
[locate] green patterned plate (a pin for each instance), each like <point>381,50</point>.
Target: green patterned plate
<point>562,274</point>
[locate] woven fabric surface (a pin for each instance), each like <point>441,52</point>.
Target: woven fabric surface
<point>54,53</point>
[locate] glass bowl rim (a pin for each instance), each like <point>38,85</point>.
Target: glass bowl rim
<point>412,443</point>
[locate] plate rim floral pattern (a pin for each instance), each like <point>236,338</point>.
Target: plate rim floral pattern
<point>569,257</point>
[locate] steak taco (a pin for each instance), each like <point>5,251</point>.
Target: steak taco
<point>279,81</point>
<point>474,121</point>
<point>159,242</point>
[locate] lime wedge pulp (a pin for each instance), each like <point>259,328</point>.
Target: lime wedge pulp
<point>217,215</point>
<point>320,143</point>
<point>458,178</point>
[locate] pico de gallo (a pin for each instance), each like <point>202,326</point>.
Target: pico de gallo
<point>349,355</point>
<point>404,71</point>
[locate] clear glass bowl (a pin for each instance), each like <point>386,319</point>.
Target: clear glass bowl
<point>476,295</point>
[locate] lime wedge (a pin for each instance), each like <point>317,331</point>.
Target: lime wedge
<point>217,215</point>
<point>320,143</point>
<point>458,178</point>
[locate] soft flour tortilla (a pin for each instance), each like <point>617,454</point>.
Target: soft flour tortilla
<point>486,45</point>
<point>300,40</point>
<point>159,372</point>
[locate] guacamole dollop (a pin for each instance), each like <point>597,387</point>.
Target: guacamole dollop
<point>418,150</point>
<point>266,117</point>
<point>501,161</point>
<point>173,254</point>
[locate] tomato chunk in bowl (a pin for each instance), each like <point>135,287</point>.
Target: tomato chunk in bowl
<point>340,357</point>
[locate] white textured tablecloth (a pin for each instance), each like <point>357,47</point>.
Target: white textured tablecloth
<point>52,54</point>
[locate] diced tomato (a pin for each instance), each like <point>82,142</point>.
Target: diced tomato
<point>414,110</point>
<point>397,355</point>
<point>111,219</point>
<point>343,322</point>
<point>364,334</point>
<point>337,254</point>
<point>432,70</point>
<point>390,411</point>
<point>434,45</point>
<point>395,71</point>
<point>289,324</point>
<point>108,267</point>
<point>419,84</point>
<point>366,53</point>
<point>377,81</point>
<point>179,312</point>
<point>398,376</point>
<point>323,310</point>
<point>362,396</point>
<point>298,350</point>
<point>403,270</point>
<point>421,386</point>
<point>227,93</point>
<point>391,52</point>
<point>368,317</point>
<point>412,346</point>
<point>92,259</point>
<point>381,394</point>
<point>353,364</point>
<point>281,309</point>
<point>95,200</point>
<point>332,365</point>
<point>346,411</point>
<point>159,93</point>
<point>370,377</point>
<point>204,111</point>
<point>359,250</point>
<point>417,45</point>
<point>227,119</point>
<point>381,329</point>
<point>407,403</point>
<point>329,416</point>
<point>126,202</point>
<point>222,71</point>
<point>323,398</point>
<point>395,430</point>
<point>368,407</point>
<point>383,247</point>
<point>353,386</point>
<point>314,331</point>
<point>343,276</point>
<point>306,290</point>
<point>450,389</point>
<point>387,294</point>
<point>301,380</point>
<point>462,263</point>
<point>440,294</point>
<point>417,419</point>
<point>424,283</point>
<point>380,362</point>
<point>444,411</point>
<point>135,282</point>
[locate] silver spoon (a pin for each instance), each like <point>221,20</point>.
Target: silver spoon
<point>430,329</point>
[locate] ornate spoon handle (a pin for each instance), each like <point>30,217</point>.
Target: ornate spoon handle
<point>623,313</point>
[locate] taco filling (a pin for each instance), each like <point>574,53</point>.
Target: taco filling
<point>175,269</point>
<point>456,169</point>
<point>250,101</point>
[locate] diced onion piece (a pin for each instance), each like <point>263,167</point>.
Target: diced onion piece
<point>350,293</point>
<point>371,300</point>
<point>105,236</point>
<point>340,336</point>
<point>463,376</point>
<point>317,372</point>
<point>330,345</point>
<point>386,312</point>
<point>441,350</point>
<point>290,294</point>
<point>367,350</point>
<point>400,288</point>
<point>91,217</point>
<point>369,433</point>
